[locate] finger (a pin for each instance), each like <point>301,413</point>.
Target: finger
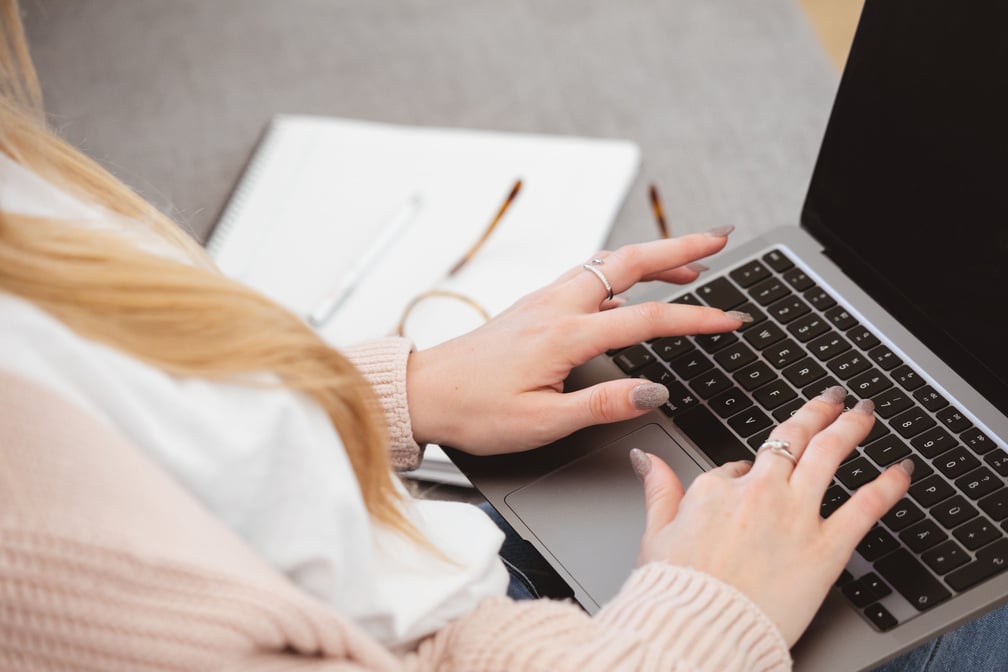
<point>733,469</point>
<point>606,402</point>
<point>641,322</point>
<point>830,447</point>
<point>851,522</point>
<point>629,264</point>
<point>662,490</point>
<point>798,430</point>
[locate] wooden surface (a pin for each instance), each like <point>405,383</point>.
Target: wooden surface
<point>834,22</point>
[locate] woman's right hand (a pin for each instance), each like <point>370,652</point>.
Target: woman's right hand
<point>756,526</point>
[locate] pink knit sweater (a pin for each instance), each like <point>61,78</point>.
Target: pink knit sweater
<point>108,564</point>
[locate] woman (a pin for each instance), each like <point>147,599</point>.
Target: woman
<point>198,481</point>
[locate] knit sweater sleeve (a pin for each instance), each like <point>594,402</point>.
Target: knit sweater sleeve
<point>107,563</point>
<point>383,364</point>
<point>665,618</point>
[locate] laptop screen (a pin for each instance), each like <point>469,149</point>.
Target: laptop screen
<point>910,192</point>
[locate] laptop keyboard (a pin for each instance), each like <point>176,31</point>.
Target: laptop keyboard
<point>727,392</point>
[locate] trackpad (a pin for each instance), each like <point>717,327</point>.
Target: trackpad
<point>589,514</point>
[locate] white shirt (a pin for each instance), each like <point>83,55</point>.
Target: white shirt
<point>267,462</point>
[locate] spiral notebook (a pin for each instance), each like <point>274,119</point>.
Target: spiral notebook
<point>320,193</point>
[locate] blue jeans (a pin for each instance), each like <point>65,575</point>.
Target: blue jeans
<point>978,646</point>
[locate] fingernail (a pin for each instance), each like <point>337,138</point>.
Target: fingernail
<point>720,231</point>
<point>833,395</point>
<point>866,406</point>
<point>640,462</point>
<point>740,316</point>
<point>649,395</point>
<point>697,267</point>
<point>906,465</point>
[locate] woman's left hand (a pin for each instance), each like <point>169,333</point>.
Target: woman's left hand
<point>499,388</point>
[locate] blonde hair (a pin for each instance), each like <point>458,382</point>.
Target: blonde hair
<point>188,319</point>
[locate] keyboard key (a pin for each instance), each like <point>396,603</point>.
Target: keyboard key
<point>976,533</point>
<point>691,364</point>
<point>907,377</point>
<point>750,273</point>
<point>671,347</point>
<point>911,579</point>
<point>930,491</point>
<point>952,418</point>
<point>922,468</point>
<point>730,402</point>
<point>833,499</point>
<point>995,504</point>
<point>807,327</point>
<point>875,544</point>
<point>828,346</point>
<point>884,357</point>
<point>749,421</point>
<point>797,279</point>
<point>757,439</point>
<point>768,291</point>
<point>658,373</point>
<point>979,482</point>
<point>721,293</point>
<point>840,318</point>
<point>891,402</point>
<point>679,399</point>
<point>776,260</point>
<point>887,450</point>
<point>977,441</point>
<point>848,364</point>
<point>929,398</point>
<point>923,535</point>
<point>856,473</point>
<point>903,514</point>
<point>912,422</point>
<point>755,375</point>
<point>784,352</point>
<point>711,436</point>
<point>953,512</point>
<point>773,394</point>
<point>710,383</point>
<point>956,462</point>
<point>788,309</point>
<point>735,356</point>
<point>880,617</point>
<point>869,383</point>
<point>765,336</point>
<point>859,594</point>
<point>713,342</point>
<point>998,461</point>
<point>813,390</point>
<point>687,299</point>
<point>862,338</point>
<point>787,410</point>
<point>990,561</point>
<point>633,358</point>
<point>945,557</point>
<point>818,298</point>
<point>878,430</point>
<point>755,313</point>
<point>933,442</point>
<point>803,372</point>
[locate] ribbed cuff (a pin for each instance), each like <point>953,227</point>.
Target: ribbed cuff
<point>383,363</point>
<point>707,622</point>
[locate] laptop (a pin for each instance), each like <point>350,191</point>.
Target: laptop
<point>895,286</point>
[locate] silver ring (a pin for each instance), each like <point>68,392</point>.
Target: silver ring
<point>593,266</point>
<point>779,447</point>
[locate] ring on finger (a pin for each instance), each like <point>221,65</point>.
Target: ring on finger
<point>779,447</point>
<point>593,266</point>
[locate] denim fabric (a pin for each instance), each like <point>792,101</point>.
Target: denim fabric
<point>978,646</point>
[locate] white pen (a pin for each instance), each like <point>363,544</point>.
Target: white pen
<point>325,309</point>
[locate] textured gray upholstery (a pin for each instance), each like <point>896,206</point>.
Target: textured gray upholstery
<point>727,98</point>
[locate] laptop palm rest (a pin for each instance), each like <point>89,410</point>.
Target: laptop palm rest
<point>602,488</point>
